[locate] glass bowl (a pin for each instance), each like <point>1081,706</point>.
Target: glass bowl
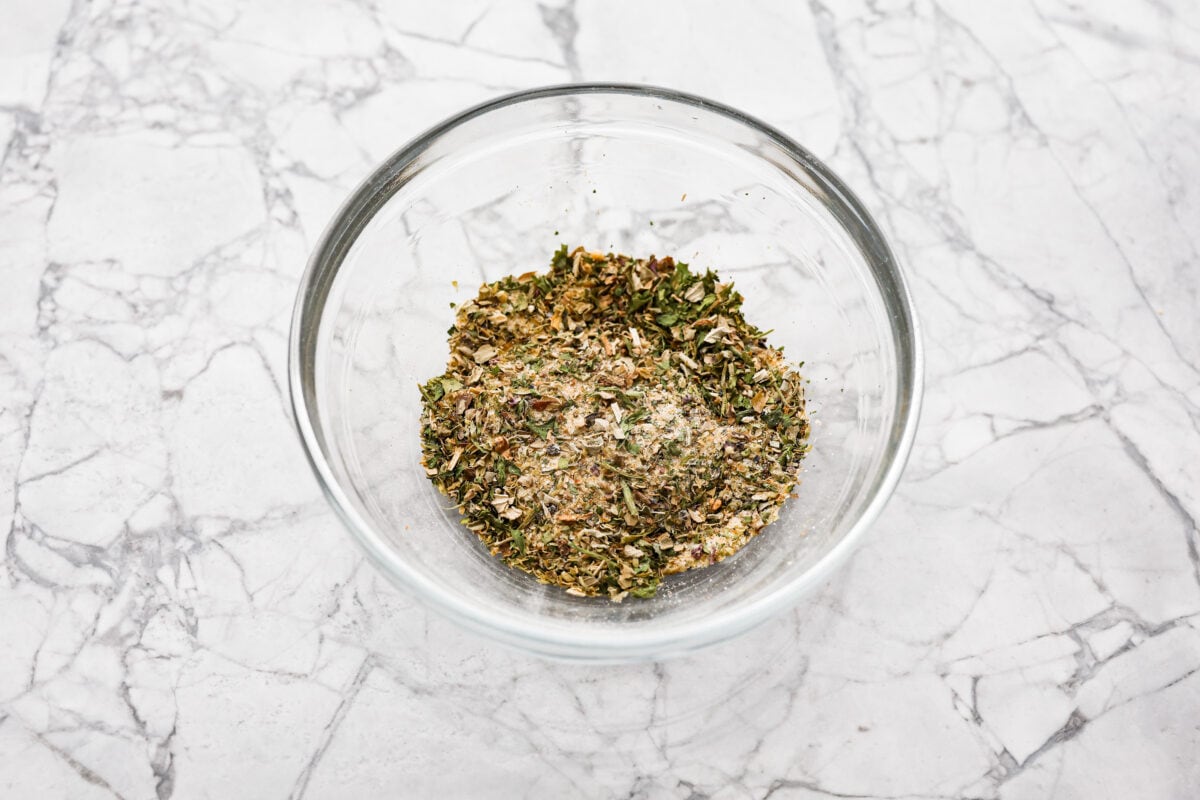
<point>628,169</point>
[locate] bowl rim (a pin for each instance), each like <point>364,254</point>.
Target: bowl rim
<point>615,644</point>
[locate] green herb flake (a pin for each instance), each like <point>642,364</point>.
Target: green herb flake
<point>542,430</point>
<point>628,495</point>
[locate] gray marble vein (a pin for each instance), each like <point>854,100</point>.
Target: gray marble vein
<point>183,617</point>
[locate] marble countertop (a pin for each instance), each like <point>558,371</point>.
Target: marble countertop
<point>182,616</point>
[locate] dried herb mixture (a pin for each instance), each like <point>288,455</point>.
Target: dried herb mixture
<point>612,421</point>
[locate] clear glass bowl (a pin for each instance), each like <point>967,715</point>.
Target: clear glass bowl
<point>629,169</point>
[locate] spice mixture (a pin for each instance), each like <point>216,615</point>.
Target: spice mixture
<point>612,421</point>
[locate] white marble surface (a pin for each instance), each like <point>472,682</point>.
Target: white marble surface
<point>181,615</point>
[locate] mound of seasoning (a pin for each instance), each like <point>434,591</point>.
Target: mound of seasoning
<point>612,421</point>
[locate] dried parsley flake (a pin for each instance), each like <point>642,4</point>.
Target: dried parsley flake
<point>612,421</point>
